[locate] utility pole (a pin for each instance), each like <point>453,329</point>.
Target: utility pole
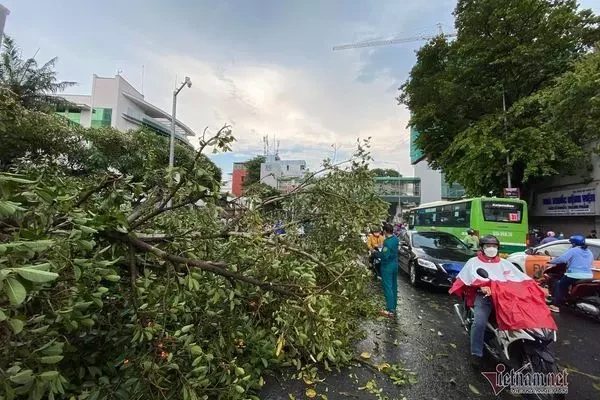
<point>506,134</point>
<point>3,14</point>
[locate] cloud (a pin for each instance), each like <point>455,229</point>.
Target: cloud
<point>306,110</point>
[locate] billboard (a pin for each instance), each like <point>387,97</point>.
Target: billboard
<point>416,154</point>
<point>580,201</point>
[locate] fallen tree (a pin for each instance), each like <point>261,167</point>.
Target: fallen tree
<point>108,292</point>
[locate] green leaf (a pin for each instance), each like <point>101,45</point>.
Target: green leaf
<point>51,359</point>
<point>48,375</point>
<point>22,377</point>
<point>16,325</point>
<point>39,245</point>
<point>187,328</point>
<point>15,291</point>
<point>474,389</point>
<point>36,275</point>
<point>239,389</point>
<point>2,316</point>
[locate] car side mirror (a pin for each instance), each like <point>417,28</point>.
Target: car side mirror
<point>470,245</point>
<point>529,251</point>
<point>547,253</point>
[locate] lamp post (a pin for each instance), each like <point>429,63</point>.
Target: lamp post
<point>187,82</point>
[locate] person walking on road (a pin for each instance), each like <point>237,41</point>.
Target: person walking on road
<point>550,237</point>
<point>593,234</point>
<point>471,239</point>
<point>389,271</point>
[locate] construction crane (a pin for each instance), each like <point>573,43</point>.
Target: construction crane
<point>385,42</point>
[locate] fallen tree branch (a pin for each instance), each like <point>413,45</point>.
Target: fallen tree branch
<point>88,193</point>
<point>209,266</point>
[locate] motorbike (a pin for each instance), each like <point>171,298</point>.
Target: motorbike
<point>583,296</point>
<point>375,262</point>
<point>524,349</point>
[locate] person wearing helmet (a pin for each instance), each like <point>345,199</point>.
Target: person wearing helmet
<point>480,297</point>
<point>550,237</point>
<point>471,240</point>
<point>375,243</point>
<point>579,260</point>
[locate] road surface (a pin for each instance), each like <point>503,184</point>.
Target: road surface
<point>429,343</point>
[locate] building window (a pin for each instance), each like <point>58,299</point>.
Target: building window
<point>101,117</point>
<point>287,167</point>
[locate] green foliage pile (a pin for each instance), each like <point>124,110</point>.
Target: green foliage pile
<point>534,55</point>
<point>107,292</point>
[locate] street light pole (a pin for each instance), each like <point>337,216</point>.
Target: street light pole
<point>187,82</point>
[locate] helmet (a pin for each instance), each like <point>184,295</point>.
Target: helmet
<point>470,231</point>
<point>489,239</point>
<point>577,240</point>
<point>551,234</point>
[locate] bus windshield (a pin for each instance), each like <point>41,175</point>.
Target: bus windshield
<point>495,211</point>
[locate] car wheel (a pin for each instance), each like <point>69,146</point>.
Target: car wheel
<point>412,275</point>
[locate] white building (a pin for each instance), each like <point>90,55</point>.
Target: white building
<point>115,102</point>
<point>282,174</point>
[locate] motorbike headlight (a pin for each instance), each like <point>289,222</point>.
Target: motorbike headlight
<point>427,264</point>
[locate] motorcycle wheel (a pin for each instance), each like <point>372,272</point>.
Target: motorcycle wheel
<point>538,364</point>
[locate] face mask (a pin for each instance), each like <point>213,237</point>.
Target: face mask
<point>376,234</point>
<point>490,252</point>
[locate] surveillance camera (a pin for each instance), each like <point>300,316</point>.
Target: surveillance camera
<point>187,79</point>
<point>189,84</point>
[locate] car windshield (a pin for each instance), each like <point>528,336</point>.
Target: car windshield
<point>435,240</point>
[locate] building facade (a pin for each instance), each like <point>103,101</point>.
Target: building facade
<point>434,184</point>
<point>568,204</point>
<point>238,177</point>
<point>402,193</point>
<point>280,174</point>
<point>115,102</point>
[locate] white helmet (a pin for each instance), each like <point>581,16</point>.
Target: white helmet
<point>551,234</point>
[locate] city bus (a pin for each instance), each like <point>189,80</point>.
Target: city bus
<point>504,218</point>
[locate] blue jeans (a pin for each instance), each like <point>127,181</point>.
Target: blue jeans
<point>389,281</point>
<point>561,288</point>
<point>482,310</point>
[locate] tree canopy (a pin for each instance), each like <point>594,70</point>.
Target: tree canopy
<point>34,85</point>
<point>512,51</point>
<point>385,172</point>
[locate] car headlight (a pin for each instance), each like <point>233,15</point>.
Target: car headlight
<point>427,264</point>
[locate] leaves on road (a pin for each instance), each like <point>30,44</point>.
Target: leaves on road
<point>365,355</point>
<point>474,389</point>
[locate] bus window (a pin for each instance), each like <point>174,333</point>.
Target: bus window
<point>495,211</point>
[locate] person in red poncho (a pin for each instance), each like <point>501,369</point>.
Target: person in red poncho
<point>518,300</point>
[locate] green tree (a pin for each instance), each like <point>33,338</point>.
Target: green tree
<point>385,172</point>
<point>508,50</point>
<point>253,169</point>
<point>34,86</point>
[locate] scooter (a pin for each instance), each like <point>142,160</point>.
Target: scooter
<point>375,263</point>
<point>583,296</point>
<point>524,349</point>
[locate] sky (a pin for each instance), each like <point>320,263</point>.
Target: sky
<point>264,66</point>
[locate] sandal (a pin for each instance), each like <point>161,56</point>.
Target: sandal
<point>388,314</point>
<point>554,309</point>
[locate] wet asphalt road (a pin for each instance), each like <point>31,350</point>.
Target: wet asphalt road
<point>430,344</point>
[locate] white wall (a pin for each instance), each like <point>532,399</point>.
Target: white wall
<point>431,182</point>
<point>124,104</point>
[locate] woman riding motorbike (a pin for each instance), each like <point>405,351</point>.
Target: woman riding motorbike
<point>579,260</point>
